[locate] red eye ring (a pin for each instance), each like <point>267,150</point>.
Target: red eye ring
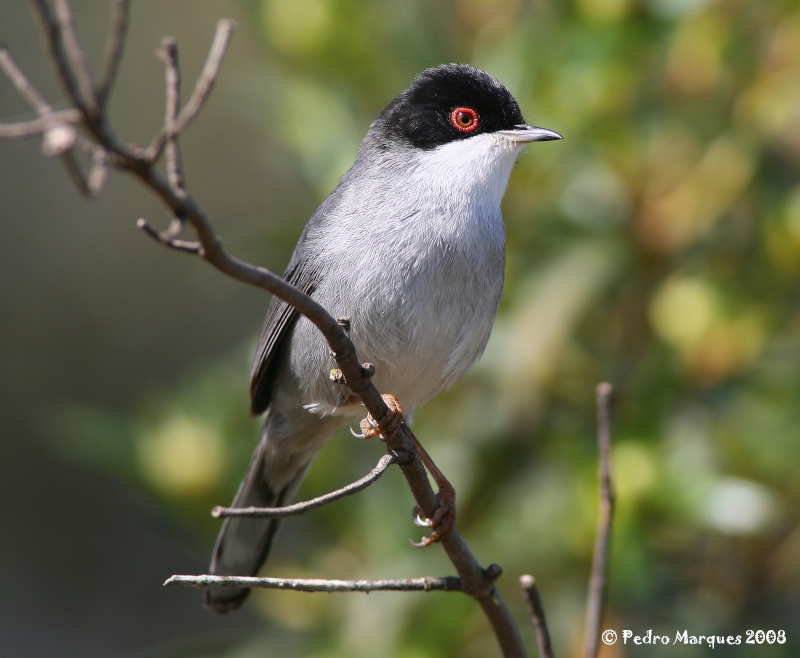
<point>464,119</point>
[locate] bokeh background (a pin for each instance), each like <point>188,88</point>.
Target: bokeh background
<point>656,247</point>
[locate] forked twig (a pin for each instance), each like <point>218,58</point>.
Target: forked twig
<point>202,89</point>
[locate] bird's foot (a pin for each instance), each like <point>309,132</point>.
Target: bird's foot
<point>444,518</point>
<point>389,424</point>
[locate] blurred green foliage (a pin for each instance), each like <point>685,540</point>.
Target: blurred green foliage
<point>657,247</point>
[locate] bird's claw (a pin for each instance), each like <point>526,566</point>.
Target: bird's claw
<point>443,521</point>
<point>389,424</point>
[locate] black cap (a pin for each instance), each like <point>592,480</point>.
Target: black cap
<point>447,103</point>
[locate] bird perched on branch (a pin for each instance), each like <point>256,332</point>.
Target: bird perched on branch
<point>410,246</point>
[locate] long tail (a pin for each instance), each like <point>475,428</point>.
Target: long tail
<point>244,543</point>
<point>289,441</point>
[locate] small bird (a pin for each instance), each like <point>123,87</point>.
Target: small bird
<point>410,246</point>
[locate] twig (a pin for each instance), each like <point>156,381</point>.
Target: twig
<point>38,126</point>
<point>21,83</point>
<point>168,52</point>
<point>56,127</point>
<point>597,581</point>
<point>54,42</point>
<point>536,611</point>
<point>299,508</point>
<point>75,55</point>
<point>208,75</point>
<point>113,53</point>
<point>202,89</point>
<point>446,584</point>
<point>98,172</point>
<point>168,238</point>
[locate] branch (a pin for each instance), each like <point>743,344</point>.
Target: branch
<point>202,89</point>
<point>59,134</point>
<point>536,611</point>
<point>300,508</point>
<point>39,126</point>
<point>446,584</point>
<point>21,83</point>
<point>597,580</point>
<point>113,53</point>
<point>76,58</point>
<point>72,72</point>
<point>55,33</point>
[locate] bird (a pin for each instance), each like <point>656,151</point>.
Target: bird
<point>410,247</point>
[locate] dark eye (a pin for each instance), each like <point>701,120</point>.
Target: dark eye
<point>464,119</point>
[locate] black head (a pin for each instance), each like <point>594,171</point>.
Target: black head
<point>447,103</point>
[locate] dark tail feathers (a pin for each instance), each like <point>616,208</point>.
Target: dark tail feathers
<point>244,543</point>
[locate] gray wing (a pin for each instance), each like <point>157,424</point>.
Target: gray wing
<point>276,330</point>
<point>305,271</point>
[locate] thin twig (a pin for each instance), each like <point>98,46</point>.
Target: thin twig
<point>113,52</point>
<point>97,172</point>
<point>446,584</point>
<point>75,55</point>
<point>75,173</point>
<point>536,611</point>
<point>59,133</point>
<point>208,76</point>
<point>202,89</point>
<point>21,83</point>
<point>168,238</point>
<point>54,42</point>
<point>168,52</point>
<point>38,126</point>
<point>299,508</point>
<point>597,580</point>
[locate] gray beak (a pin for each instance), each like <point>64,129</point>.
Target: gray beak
<point>524,133</point>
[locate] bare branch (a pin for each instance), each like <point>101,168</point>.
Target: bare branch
<point>54,42</point>
<point>113,53</point>
<point>536,611</point>
<point>168,52</point>
<point>59,133</point>
<point>208,76</point>
<point>168,238</point>
<point>446,584</point>
<point>202,89</point>
<point>75,55</point>
<point>75,173</point>
<point>299,508</point>
<point>98,172</point>
<point>35,127</point>
<point>597,581</point>
<point>87,184</point>
<point>21,83</point>
<point>57,128</point>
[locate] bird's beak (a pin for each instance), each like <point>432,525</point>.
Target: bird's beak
<point>524,133</point>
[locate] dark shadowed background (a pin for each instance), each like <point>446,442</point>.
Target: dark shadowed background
<point>657,247</point>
